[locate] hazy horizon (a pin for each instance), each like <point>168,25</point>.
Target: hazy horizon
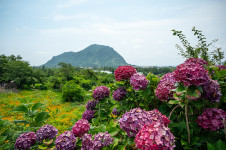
<point>139,30</point>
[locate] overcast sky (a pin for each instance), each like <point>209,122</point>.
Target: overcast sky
<point>139,30</point>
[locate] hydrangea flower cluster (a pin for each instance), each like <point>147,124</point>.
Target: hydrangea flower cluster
<point>119,93</point>
<point>157,116</point>
<point>165,85</point>
<point>132,121</point>
<point>25,140</point>
<point>124,72</point>
<point>191,74</point>
<point>211,91</point>
<point>115,112</point>
<point>66,140</point>
<point>46,132</point>
<point>155,136</point>
<point>212,119</point>
<point>101,92</point>
<point>100,140</point>
<point>81,127</point>
<point>221,67</point>
<point>199,61</point>
<point>138,82</point>
<point>91,104</point>
<point>88,114</point>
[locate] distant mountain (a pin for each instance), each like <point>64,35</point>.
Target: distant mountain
<point>94,55</point>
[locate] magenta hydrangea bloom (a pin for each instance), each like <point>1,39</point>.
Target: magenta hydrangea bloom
<point>138,82</point>
<point>199,61</point>
<point>100,140</point>
<point>66,141</point>
<point>211,91</point>
<point>88,115</point>
<point>91,104</point>
<point>191,74</point>
<point>132,121</point>
<point>212,119</point>
<point>165,85</point>
<point>221,67</point>
<point>25,141</point>
<point>81,127</point>
<point>157,116</point>
<point>46,132</point>
<point>119,94</point>
<point>124,72</point>
<point>101,92</point>
<point>155,136</point>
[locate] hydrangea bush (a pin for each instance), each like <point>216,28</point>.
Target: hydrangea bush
<point>25,141</point>
<point>212,119</point>
<point>88,115</point>
<point>138,82</point>
<point>81,127</point>
<point>46,132</point>
<point>66,141</point>
<point>91,104</point>
<point>155,136</point>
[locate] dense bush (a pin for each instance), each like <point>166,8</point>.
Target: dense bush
<point>72,92</point>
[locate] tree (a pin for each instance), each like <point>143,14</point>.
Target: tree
<point>201,50</point>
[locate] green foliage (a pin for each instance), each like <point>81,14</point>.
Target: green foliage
<point>72,92</point>
<point>201,49</point>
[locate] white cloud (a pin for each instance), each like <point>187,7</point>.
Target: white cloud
<point>69,3</point>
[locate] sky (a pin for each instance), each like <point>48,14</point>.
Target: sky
<point>139,30</point>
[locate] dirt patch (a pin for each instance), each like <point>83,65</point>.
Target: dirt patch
<point>3,90</point>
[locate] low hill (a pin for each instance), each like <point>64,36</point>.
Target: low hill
<point>93,55</point>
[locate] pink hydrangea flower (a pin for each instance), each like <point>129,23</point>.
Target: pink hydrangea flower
<point>155,136</point>
<point>165,85</point>
<point>138,82</point>
<point>199,61</point>
<point>81,127</point>
<point>157,116</point>
<point>66,141</point>
<point>101,92</point>
<point>191,74</point>
<point>124,72</point>
<point>212,119</point>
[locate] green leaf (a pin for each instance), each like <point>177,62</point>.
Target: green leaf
<point>42,116</point>
<point>115,142</point>
<point>47,143</point>
<point>114,133</point>
<point>21,108</point>
<point>121,147</point>
<point>222,73</point>
<point>20,121</point>
<point>42,147</point>
<point>2,139</point>
<point>37,106</point>
<point>174,102</point>
<point>219,145</point>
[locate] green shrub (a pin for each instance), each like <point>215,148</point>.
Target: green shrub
<point>40,86</point>
<point>72,92</point>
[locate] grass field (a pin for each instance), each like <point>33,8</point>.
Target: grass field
<point>63,114</point>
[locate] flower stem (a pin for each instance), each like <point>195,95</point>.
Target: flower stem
<point>186,116</point>
<point>173,111</point>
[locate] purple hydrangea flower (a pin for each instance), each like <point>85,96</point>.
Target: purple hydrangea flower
<point>119,94</point>
<point>66,141</point>
<point>100,140</point>
<point>155,136</point>
<point>25,141</point>
<point>88,115</point>
<point>138,82</point>
<point>132,121</point>
<point>101,92</point>
<point>191,74</point>
<point>124,72</point>
<point>212,119</point>
<point>46,132</point>
<point>199,61</point>
<point>115,112</point>
<point>165,85</point>
<point>81,127</point>
<point>211,91</point>
<point>91,104</point>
